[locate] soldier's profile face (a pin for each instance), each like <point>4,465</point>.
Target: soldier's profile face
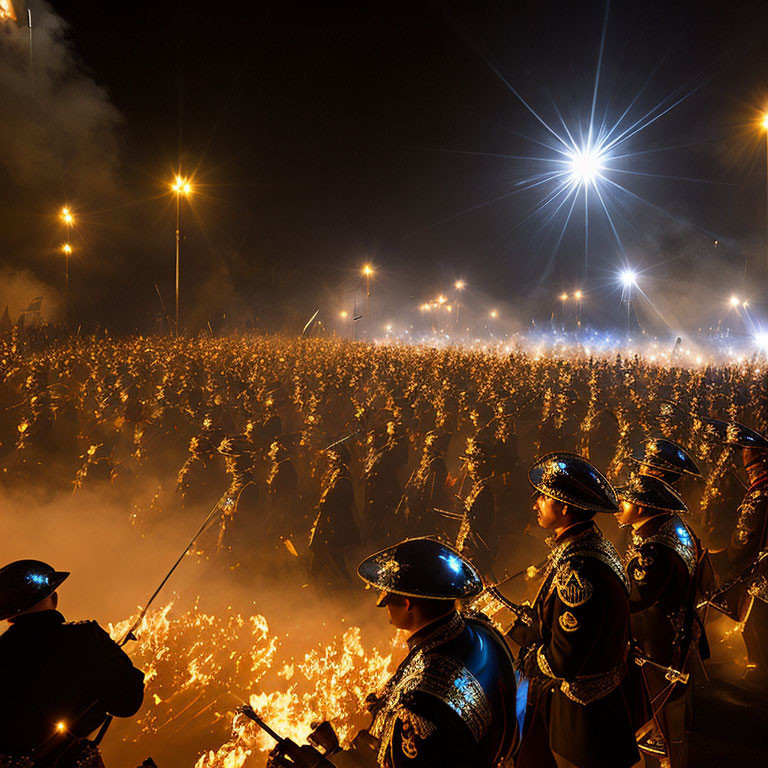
<point>549,511</point>
<point>628,513</point>
<point>397,610</point>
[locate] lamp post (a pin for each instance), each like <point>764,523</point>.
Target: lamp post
<point>367,272</point>
<point>459,286</point>
<point>181,186</point>
<point>765,128</point>
<point>628,282</point>
<point>68,219</point>
<point>67,251</point>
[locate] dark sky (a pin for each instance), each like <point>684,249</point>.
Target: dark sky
<point>325,134</point>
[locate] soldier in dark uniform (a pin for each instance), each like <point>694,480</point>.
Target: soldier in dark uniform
<point>59,680</point>
<point>574,650</point>
<point>451,702</point>
<point>663,563</point>
<point>200,480</point>
<point>743,565</point>
<point>427,489</point>
<point>240,524</point>
<point>478,536</point>
<point>334,531</point>
<point>282,491</point>
<point>382,493</point>
<point>664,459</point>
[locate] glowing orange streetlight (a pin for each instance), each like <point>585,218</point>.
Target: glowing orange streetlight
<point>459,285</point>
<point>494,314</point>
<point>343,314</point>
<point>367,272</point>
<point>764,124</point>
<point>67,218</point>
<point>181,186</point>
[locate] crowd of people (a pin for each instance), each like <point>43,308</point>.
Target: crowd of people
<point>331,450</point>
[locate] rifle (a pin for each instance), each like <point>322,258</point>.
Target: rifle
<point>288,753</point>
<point>670,673</point>
<point>747,573</point>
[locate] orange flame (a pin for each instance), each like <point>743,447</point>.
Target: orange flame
<point>194,662</point>
<point>6,11</point>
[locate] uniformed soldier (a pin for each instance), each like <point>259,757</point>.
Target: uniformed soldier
<point>201,479</point>
<point>282,507</point>
<point>59,680</point>
<point>743,565</point>
<point>451,702</point>
<point>240,525</point>
<point>574,650</point>
<point>663,564</point>
<point>382,512</point>
<point>664,459</point>
<point>478,536</point>
<point>427,490</point>
<point>335,530</point>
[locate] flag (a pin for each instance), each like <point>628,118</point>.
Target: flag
<point>34,305</point>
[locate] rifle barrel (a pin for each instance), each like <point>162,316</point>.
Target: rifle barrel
<point>249,712</point>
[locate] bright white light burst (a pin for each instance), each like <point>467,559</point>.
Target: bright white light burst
<point>585,165</point>
<point>586,160</point>
<point>628,278</point>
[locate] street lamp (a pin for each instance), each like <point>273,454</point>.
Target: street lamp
<point>68,220</point>
<point>577,295</point>
<point>459,285</point>
<point>367,272</point>
<point>628,282</point>
<point>66,249</point>
<point>734,301</point>
<point>764,124</point>
<point>181,186</point>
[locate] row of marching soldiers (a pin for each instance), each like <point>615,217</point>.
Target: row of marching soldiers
<point>593,671</point>
<point>597,670</point>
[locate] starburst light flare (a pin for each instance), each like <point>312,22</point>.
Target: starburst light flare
<point>628,278</point>
<point>585,165</point>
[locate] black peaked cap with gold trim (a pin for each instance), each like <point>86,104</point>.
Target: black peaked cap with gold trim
<point>572,480</point>
<point>660,453</point>
<point>651,492</point>
<point>421,568</point>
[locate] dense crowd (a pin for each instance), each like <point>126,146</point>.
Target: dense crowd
<point>429,440</point>
<point>328,450</point>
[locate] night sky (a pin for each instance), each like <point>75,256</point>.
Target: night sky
<point>324,135</point>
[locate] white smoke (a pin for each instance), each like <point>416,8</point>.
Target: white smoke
<point>55,120</point>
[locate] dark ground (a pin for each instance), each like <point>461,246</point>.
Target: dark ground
<point>730,719</point>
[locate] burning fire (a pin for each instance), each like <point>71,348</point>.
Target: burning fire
<point>200,666</point>
<point>6,11</point>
